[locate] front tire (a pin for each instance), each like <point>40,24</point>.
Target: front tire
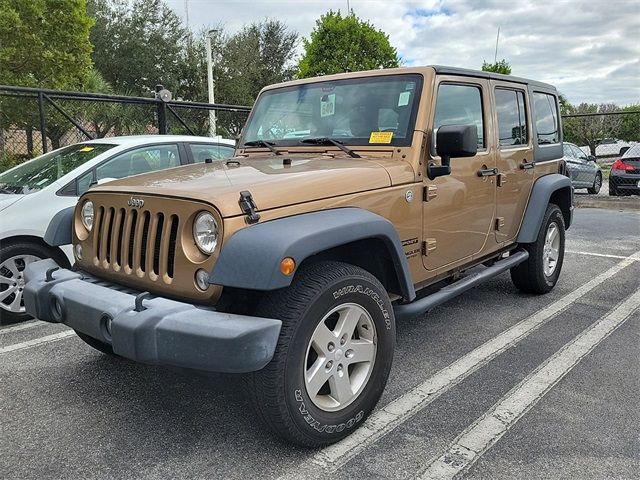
<point>540,272</point>
<point>333,356</point>
<point>597,184</point>
<point>14,258</point>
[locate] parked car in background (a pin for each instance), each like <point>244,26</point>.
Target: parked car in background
<point>583,169</point>
<point>33,192</point>
<point>624,178</point>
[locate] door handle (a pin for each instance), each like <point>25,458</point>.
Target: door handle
<point>487,172</point>
<point>527,165</point>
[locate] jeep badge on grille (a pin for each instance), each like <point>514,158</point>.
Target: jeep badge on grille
<point>135,202</point>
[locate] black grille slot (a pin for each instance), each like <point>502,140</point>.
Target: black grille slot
<point>156,246</point>
<point>99,231</point>
<point>112,214</point>
<point>173,237</point>
<point>132,236</point>
<point>143,246</point>
<point>120,238</point>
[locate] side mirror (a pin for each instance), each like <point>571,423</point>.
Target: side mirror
<point>453,141</point>
<point>591,158</point>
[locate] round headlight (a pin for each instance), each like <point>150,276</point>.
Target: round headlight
<point>205,232</point>
<point>87,214</point>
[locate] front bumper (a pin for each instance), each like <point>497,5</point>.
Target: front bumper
<point>159,331</point>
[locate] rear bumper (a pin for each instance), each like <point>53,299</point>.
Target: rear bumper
<point>161,332</point>
<point>625,182</point>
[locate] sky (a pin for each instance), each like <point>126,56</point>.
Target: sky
<point>590,50</point>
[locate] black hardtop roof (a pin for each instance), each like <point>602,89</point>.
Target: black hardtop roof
<point>490,75</point>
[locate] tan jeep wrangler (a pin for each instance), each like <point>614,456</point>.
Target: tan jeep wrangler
<point>348,196</point>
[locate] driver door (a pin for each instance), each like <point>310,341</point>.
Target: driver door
<point>459,208</point>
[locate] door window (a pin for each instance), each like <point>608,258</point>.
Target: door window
<point>459,105</point>
<point>133,162</point>
<point>546,116</point>
<point>512,118</point>
<point>201,152</point>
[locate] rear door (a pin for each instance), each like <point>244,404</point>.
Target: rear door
<point>459,208</point>
<point>515,157</point>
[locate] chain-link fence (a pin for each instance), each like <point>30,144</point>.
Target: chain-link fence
<point>34,121</point>
<point>603,135</point>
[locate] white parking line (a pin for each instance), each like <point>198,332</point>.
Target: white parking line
<point>489,428</point>
<point>593,254</point>
<point>21,326</point>
<point>409,404</point>
<point>36,341</point>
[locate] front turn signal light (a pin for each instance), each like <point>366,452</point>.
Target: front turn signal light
<point>287,266</point>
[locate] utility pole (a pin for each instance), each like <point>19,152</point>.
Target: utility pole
<point>495,58</point>
<point>210,85</point>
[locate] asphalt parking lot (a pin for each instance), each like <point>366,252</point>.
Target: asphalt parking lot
<point>494,384</point>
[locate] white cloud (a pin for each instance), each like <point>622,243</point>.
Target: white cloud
<point>589,49</point>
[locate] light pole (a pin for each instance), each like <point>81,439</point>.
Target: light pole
<point>210,85</point>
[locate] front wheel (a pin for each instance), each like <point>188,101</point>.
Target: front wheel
<point>333,356</point>
<point>597,184</point>
<point>540,272</point>
<point>14,258</point>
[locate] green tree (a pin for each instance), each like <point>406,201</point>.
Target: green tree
<point>630,128</point>
<point>499,67</point>
<point>259,54</point>
<point>137,44</point>
<point>345,44</point>
<point>44,43</point>
<point>590,129</point>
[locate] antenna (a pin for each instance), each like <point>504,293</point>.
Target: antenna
<point>186,12</point>
<point>495,58</point>
<point>348,7</point>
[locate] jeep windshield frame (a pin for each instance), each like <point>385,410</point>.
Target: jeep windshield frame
<point>348,110</point>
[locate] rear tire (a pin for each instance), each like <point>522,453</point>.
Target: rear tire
<point>97,344</point>
<point>301,395</point>
<point>597,184</point>
<point>540,272</point>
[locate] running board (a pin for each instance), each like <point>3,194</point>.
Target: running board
<point>408,310</point>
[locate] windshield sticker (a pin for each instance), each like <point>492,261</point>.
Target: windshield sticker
<point>86,149</point>
<point>380,137</point>
<point>410,86</point>
<point>403,99</point>
<point>327,105</point>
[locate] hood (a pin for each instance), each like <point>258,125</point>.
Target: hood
<point>271,181</point>
<point>8,199</point>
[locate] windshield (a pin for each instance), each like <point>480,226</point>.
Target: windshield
<point>42,171</point>
<point>379,110</point>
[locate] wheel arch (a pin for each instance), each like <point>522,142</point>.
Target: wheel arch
<point>250,259</point>
<point>553,188</point>
<point>57,251</point>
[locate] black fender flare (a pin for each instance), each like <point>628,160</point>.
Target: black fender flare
<point>251,258</point>
<point>60,227</point>
<point>553,185</point>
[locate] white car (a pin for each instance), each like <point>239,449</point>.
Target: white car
<point>33,192</point>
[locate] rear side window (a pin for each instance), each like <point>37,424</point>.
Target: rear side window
<point>202,152</point>
<point>459,105</point>
<point>546,116</point>
<point>512,118</point>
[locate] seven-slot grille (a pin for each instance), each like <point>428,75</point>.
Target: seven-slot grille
<point>136,241</point>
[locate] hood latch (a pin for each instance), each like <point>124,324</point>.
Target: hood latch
<point>248,207</point>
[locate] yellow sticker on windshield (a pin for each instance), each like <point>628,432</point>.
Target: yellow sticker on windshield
<point>380,137</point>
<point>86,149</point>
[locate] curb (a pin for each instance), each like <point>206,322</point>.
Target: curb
<point>615,203</point>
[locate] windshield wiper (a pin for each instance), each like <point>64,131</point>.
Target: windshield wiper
<point>330,141</point>
<point>262,143</point>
